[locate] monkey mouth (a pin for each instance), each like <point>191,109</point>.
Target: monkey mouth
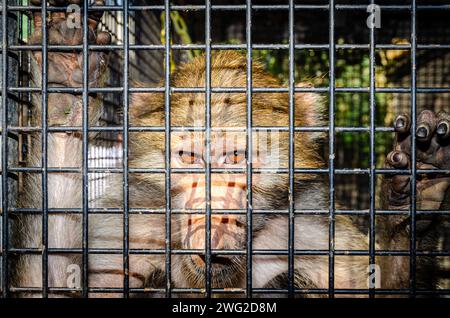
<point>218,263</point>
<point>217,260</point>
<point>224,270</point>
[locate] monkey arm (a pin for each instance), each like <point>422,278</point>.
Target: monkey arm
<point>432,193</point>
<point>64,69</point>
<point>432,152</point>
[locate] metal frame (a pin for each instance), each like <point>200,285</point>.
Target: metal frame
<point>126,211</point>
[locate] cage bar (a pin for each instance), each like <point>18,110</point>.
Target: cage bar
<point>5,220</point>
<point>200,7</point>
<point>291,166</point>
<point>208,286</point>
<point>85,123</point>
<point>412,246</point>
<point>168,171</point>
<point>126,48</point>
<point>249,140</point>
<point>372,163</point>
<point>331,146</point>
<point>44,152</point>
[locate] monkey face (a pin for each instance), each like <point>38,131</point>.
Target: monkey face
<point>228,192</point>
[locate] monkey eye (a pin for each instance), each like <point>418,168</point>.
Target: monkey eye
<point>188,157</point>
<point>235,157</point>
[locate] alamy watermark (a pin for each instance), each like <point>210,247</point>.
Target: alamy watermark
<point>374,276</point>
<point>74,276</point>
<point>74,16</point>
<point>374,19</point>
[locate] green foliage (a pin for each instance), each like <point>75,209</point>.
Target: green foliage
<point>24,20</point>
<point>352,69</point>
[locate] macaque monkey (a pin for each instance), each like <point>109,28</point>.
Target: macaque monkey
<point>228,150</point>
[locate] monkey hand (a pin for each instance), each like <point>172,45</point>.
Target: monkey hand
<point>65,68</point>
<point>432,152</point>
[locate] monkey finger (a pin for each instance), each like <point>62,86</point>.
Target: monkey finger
<point>97,64</point>
<point>443,129</point>
<point>426,126</point>
<point>424,132</point>
<point>103,38</point>
<point>443,126</point>
<point>402,124</point>
<point>401,186</point>
<point>95,16</point>
<point>397,159</point>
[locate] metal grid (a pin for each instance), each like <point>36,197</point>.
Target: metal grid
<point>8,170</point>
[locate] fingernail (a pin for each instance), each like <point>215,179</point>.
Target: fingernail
<point>422,132</point>
<point>397,157</point>
<point>401,124</point>
<point>442,129</point>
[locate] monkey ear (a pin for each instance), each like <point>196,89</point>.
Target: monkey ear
<point>309,107</point>
<point>146,108</point>
<point>310,110</point>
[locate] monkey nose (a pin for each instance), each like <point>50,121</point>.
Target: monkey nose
<point>216,260</point>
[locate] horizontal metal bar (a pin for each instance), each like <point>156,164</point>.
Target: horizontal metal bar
<point>232,7</point>
<point>324,89</point>
<point>298,252</point>
<point>196,129</point>
<point>346,171</point>
<point>256,46</point>
<point>231,290</point>
<point>144,211</point>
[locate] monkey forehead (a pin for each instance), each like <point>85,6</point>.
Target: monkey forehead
<point>228,70</point>
<point>229,110</point>
<point>226,109</point>
<point>224,135</point>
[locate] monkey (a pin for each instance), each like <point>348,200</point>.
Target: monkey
<point>227,150</point>
<point>432,190</point>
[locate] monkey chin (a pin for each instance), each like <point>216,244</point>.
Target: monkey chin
<point>226,271</point>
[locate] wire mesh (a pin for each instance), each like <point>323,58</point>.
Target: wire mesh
<point>111,155</point>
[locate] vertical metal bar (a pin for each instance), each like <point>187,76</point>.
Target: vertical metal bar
<point>291,238</point>
<point>208,146</point>
<point>28,137</point>
<point>412,246</point>
<point>249,150</point>
<point>85,243</point>
<point>126,75</point>
<point>331,137</point>
<point>5,221</point>
<point>22,83</point>
<point>168,152</point>
<point>372,151</point>
<point>9,107</point>
<point>44,137</point>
